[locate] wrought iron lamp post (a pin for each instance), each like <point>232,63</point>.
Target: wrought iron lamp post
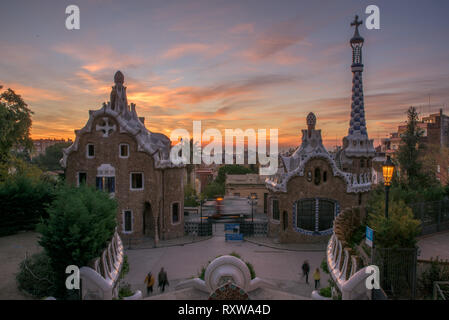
<point>387,171</point>
<point>253,200</point>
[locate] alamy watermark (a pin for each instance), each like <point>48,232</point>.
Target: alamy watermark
<point>213,152</point>
<point>72,21</point>
<point>373,280</point>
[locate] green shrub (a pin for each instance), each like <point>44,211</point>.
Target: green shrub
<point>80,224</point>
<point>190,196</point>
<point>202,273</point>
<point>251,270</point>
<point>324,266</point>
<point>125,268</point>
<point>357,236</point>
<point>436,271</point>
<point>124,290</point>
<point>24,200</point>
<point>35,276</point>
<point>235,254</point>
<point>399,230</point>
<point>326,292</point>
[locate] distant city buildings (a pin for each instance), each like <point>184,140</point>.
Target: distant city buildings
<point>41,145</point>
<point>248,186</point>
<point>435,136</point>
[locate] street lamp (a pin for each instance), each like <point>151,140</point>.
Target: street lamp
<point>253,200</point>
<point>387,171</point>
<point>201,199</point>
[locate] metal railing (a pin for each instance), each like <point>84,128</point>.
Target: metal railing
<point>434,215</point>
<point>397,268</point>
<point>441,290</point>
<point>203,229</point>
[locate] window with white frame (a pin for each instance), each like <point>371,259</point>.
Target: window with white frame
<point>136,181</point>
<point>105,179</point>
<point>124,150</point>
<point>127,221</point>
<point>175,212</point>
<point>90,150</point>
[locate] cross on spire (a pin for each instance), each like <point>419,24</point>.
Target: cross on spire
<point>356,22</point>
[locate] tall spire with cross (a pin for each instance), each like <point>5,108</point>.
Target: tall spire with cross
<point>356,142</point>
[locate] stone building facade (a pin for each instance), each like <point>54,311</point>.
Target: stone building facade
<point>116,153</point>
<point>248,185</point>
<point>312,186</point>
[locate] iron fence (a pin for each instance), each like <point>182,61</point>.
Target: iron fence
<point>434,215</point>
<point>202,229</point>
<point>254,228</point>
<point>397,267</point>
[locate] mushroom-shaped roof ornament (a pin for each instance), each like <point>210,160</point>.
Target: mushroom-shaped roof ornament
<point>119,77</point>
<point>311,121</point>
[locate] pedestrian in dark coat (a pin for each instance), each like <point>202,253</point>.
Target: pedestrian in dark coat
<point>306,270</point>
<point>162,279</point>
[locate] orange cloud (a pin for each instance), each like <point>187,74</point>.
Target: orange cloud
<point>184,49</point>
<point>33,94</point>
<point>97,58</point>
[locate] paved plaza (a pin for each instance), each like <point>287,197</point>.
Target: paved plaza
<point>281,267</point>
<point>434,245</point>
<point>13,250</point>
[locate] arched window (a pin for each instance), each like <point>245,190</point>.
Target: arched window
<point>317,176</point>
<point>324,176</point>
<point>305,213</point>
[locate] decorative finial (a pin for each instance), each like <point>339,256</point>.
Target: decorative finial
<point>119,77</point>
<point>356,23</point>
<point>311,121</point>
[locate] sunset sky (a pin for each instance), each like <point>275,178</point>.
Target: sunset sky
<point>231,64</point>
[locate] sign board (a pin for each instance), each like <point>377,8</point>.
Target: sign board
<point>234,227</point>
<point>234,237</point>
<point>369,236</point>
<point>233,232</point>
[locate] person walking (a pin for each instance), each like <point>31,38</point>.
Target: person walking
<point>162,279</point>
<point>149,280</point>
<point>317,277</point>
<point>305,270</point>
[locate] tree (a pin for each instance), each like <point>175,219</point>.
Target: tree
<point>49,161</point>
<point>230,169</point>
<point>80,224</point>
<point>24,201</point>
<point>214,189</point>
<point>410,152</point>
<point>15,124</point>
<point>189,196</point>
